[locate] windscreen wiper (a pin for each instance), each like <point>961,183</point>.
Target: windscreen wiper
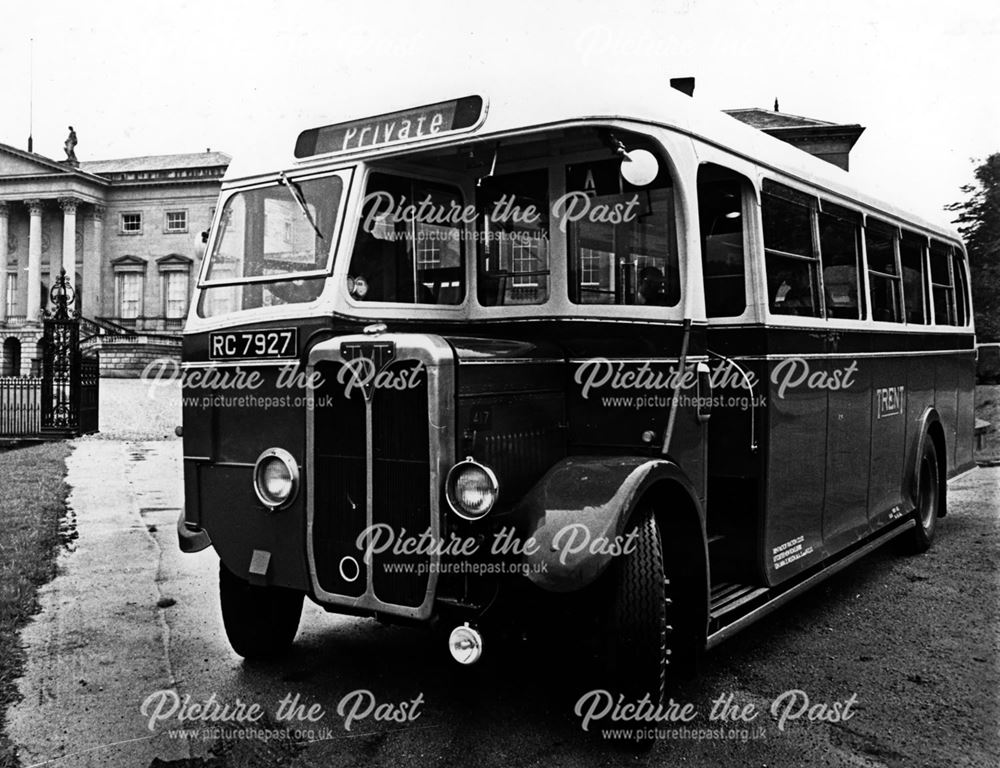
<point>296,193</point>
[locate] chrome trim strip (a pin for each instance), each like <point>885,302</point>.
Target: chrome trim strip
<point>438,359</point>
<point>690,359</point>
<point>244,363</point>
<point>853,355</point>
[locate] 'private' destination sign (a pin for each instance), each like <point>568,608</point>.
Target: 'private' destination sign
<point>391,128</point>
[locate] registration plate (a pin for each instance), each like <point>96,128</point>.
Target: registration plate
<point>277,343</point>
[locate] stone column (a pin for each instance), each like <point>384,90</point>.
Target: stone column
<point>34,261</point>
<point>68,205</point>
<point>90,304</point>
<point>4,233</point>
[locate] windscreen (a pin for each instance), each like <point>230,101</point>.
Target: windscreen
<point>273,246</point>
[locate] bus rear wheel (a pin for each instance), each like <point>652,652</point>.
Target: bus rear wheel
<point>260,622</point>
<point>639,631</point>
<point>928,500</point>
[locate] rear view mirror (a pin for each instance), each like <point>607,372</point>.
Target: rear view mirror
<point>639,167</point>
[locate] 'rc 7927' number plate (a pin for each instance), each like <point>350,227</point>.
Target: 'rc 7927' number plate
<point>273,344</point>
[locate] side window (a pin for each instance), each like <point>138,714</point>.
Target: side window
<point>720,213</point>
<point>513,216</point>
<point>790,256</point>
<point>622,240</point>
<point>912,248</point>
<point>884,279</point>
<point>942,288</point>
<point>961,283</point>
<point>839,238</point>
<point>403,256</point>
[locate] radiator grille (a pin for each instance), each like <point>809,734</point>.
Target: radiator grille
<point>397,436</point>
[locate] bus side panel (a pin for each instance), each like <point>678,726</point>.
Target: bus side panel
<point>946,401</point>
<point>796,476</point>
<point>849,425</point>
<point>964,458</point>
<point>889,392</point>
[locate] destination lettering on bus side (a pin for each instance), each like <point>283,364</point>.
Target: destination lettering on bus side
<point>888,401</point>
<point>278,343</point>
<point>392,128</point>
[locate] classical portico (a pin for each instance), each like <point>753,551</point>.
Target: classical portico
<point>30,262</point>
<point>128,234</point>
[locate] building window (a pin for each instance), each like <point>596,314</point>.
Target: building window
<point>128,290</point>
<point>130,278</point>
<point>175,294</point>
<point>177,221</point>
<point>131,223</point>
<point>175,271</point>
<point>10,300</point>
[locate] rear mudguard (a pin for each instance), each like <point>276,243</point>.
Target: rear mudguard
<point>576,518</point>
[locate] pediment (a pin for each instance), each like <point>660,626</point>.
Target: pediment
<point>15,162</point>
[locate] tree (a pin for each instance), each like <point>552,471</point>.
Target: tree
<point>979,222</point>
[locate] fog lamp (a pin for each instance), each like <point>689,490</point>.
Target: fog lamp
<point>276,478</point>
<point>465,644</point>
<point>471,489</point>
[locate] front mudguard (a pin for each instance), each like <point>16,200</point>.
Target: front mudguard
<point>576,517</point>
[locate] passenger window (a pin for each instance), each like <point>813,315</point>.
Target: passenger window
<point>622,242</point>
<point>958,269</point>
<point>942,288</point>
<point>513,216</point>
<point>884,279</point>
<point>791,262</point>
<point>400,258</point>
<point>720,212</point>
<point>911,256</point>
<point>839,233</point>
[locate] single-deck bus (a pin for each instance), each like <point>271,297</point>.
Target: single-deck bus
<point>608,350</point>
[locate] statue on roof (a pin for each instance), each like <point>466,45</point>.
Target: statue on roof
<point>70,147</point>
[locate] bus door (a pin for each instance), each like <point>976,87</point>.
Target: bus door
<point>847,378</point>
<point>891,269</point>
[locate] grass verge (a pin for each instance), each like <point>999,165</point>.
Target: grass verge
<point>31,509</point>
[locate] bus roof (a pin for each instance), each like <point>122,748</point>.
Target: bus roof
<point>629,100</point>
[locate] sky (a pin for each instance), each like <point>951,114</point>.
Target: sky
<point>137,78</point>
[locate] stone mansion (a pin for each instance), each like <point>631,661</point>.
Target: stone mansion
<point>129,235</point>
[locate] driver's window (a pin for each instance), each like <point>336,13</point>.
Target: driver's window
<point>513,216</point>
<point>409,247</point>
<point>622,242</point>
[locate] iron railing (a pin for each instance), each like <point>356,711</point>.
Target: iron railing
<point>20,406</point>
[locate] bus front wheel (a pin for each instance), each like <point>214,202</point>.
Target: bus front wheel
<point>639,631</point>
<point>260,622</point>
<point>928,500</point>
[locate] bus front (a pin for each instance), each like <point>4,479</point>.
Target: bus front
<point>392,377</point>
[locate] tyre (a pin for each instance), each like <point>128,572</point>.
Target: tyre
<point>260,622</point>
<point>639,631</point>
<point>929,492</point>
